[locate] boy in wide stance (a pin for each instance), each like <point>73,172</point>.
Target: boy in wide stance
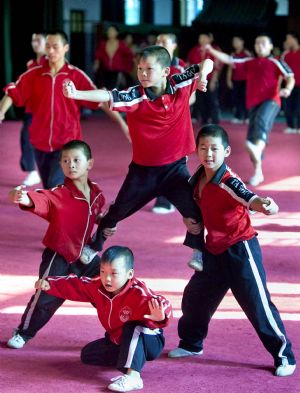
<point>71,209</point>
<point>231,257</point>
<point>160,127</point>
<point>132,315</point>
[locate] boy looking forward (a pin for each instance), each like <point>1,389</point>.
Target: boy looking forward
<point>71,209</point>
<point>132,315</point>
<point>231,257</point>
<point>55,120</point>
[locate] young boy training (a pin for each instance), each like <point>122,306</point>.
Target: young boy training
<point>55,120</point>
<point>71,209</point>
<point>132,315</point>
<point>161,131</point>
<point>263,78</point>
<point>231,256</point>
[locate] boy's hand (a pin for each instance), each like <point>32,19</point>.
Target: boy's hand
<point>157,311</point>
<point>284,92</point>
<point>19,195</point>
<point>42,284</point>
<point>107,232</point>
<point>192,225</point>
<point>202,86</point>
<point>269,206</point>
<point>69,89</point>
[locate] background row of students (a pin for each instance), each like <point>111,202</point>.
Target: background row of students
<point>114,65</point>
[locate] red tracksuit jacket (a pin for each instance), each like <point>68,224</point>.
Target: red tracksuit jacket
<point>71,217</point>
<point>131,304</point>
<point>56,119</point>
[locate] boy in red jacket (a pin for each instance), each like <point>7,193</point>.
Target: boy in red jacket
<point>55,119</point>
<point>71,209</point>
<point>132,315</point>
<point>232,256</point>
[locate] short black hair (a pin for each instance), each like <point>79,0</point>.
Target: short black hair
<point>61,33</point>
<point>78,144</point>
<point>114,252</point>
<point>159,52</point>
<point>213,130</point>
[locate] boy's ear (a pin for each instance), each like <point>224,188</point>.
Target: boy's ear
<point>91,163</point>
<point>130,273</point>
<point>227,151</point>
<point>167,71</point>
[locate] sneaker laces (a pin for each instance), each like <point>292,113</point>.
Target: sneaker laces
<point>124,381</point>
<point>121,380</point>
<point>18,338</point>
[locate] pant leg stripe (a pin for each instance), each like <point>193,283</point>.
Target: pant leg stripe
<point>36,296</point>
<point>265,303</point>
<point>134,341</point>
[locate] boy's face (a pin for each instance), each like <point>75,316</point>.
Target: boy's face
<point>237,43</point>
<point>114,275</point>
<point>165,41</point>
<point>55,48</point>
<point>211,152</point>
<point>204,39</point>
<point>38,42</point>
<point>290,41</point>
<point>263,46</point>
<point>75,164</point>
<point>150,73</point>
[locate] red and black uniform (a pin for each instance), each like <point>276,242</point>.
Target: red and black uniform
<point>231,260</point>
<point>262,93</point>
<point>56,119</point>
<point>292,105</point>
<point>162,136</point>
<point>207,105</point>
<point>71,220</point>
<point>130,338</point>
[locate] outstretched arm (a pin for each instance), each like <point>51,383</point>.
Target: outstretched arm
<point>20,196</point>
<point>223,57</point>
<point>5,104</point>
<point>266,206</point>
<point>70,91</point>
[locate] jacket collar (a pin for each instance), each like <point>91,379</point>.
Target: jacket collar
<point>215,180</point>
<point>169,90</point>
<point>95,190</point>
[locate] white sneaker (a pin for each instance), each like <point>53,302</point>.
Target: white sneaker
<point>285,370</point>
<point>16,342</point>
<point>256,179</point>
<point>196,262</point>
<point>290,130</point>
<point>181,353</point>
<point>125,383</point>
<point>32,178</point>
<point>87,255</point>
<point>163,210</point>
